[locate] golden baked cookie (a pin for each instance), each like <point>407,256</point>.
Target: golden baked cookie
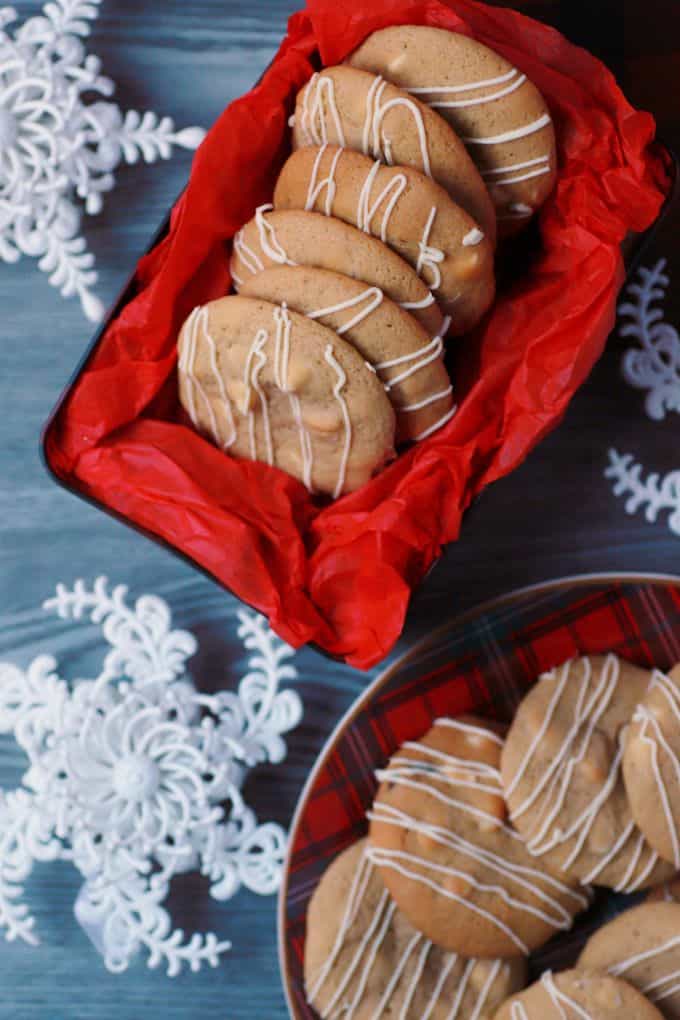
<point>561,770</point>
<point>269,384</point>
<point>362,111</point>
<point>578,995</point>
<point>499,114</point>
<point>406,210</point>
<point>453,865</point>
<point>667,892</point>
<point>407,360</point>
<point>651,765</point>
<point>295,238</point>
<point>364,961</point>
<point>642,946</point>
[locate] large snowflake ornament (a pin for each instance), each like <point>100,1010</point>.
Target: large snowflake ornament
<point>136,777</point>
<point>60,142</point>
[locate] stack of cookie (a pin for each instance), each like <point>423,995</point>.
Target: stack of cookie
<point>407,161</point>
<point>484,844</point>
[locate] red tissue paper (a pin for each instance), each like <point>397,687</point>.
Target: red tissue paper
<point>341,574</point>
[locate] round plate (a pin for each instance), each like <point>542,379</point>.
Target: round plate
<point>479,662</point>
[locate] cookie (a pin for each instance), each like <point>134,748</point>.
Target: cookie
<point>651,765</point>
<point>455,868</point>
<point>269,384</point>
<point>642,946</point>
<point>406,210</point>
<point>561,770</point>
<point>362,111</point>
<point>667,892</point>
<point>293,238</point>
<point>578,995</point>
<point>407,360</point>
<point>364,961</point>
<point>499,114</point>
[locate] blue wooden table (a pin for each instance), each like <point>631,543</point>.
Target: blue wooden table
<point>555,516</point>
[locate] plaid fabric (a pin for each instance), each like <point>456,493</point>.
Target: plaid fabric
<point>482,665</point>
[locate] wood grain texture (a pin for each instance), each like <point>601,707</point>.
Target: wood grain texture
<point>554,516</point>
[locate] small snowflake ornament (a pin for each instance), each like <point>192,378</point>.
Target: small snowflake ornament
<point>136,777</point>
<point>653,494</point>
<point>57,145</point>
<point>654,366</point>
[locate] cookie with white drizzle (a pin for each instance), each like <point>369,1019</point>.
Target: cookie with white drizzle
<point>578,995</point>
<point>407,360</point>
<point>642,946</point>
<point>364,961</point>
<point>651,765</point>
<point>408,211</point>
<point>666,892</point>
<point>499,114</point>
<point>269,384</point>
<point>292,237</point>
<point>439,836</point>
<point>362,111</point>
<point>561,770</point>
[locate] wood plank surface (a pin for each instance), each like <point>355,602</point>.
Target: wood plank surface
<point>555,516</point>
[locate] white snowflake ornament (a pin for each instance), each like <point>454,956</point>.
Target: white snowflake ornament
<point>136,777</point>
<point>57,145</point>
<point>654,366</point>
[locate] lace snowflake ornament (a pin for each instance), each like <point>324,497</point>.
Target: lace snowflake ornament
<point>654,366</point>
<point>136,776</point>
<point>653,494</point>
<point>58,146</point>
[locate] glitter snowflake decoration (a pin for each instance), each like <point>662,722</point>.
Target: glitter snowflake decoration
<point>653,494</point>
<point>59,143</point>
<point>654,366</point>
<point>136,777</point>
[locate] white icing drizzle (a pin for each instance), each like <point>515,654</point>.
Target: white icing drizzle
<point>553,785</point>
<point>666,984</point>
<point>426,401</point>
<point>524,878</point>
<point>328,183</point>
<point>540,161</point>
<point>305,441</point>
<point>238,280</point>
<point>425,303</point>
<point>340,382</point>
<point>282,345</point>
<point>313,123</point>
<point>374,142</point>
<point>486,988</point>
<point>458,104</point>
<point>420,358</point>
<point>250,259</point>
<point>473,238</point>
<point>437,425</point>
<point>282,337</point>
<point>559,999</point>
<point>429,257</point>
<point>518,211</point>
<point>198,324</point>
<point>653,738</point>
<point>269,243</point>
<point>390,194</point>
<point>372,295</point>
<point>514,134</point>
<point>464,727</point>
<point>469,87</point>
<point>251,379</point>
